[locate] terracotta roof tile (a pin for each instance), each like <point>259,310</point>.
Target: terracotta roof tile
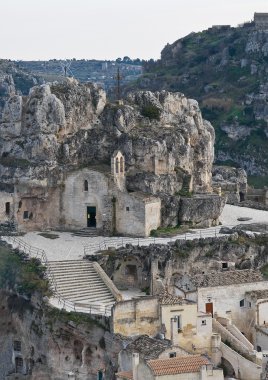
<point>180,364</point>
<point>125,375</point>
<point>169,299</point>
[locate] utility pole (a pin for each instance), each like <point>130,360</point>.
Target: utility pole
<point>118,79</point>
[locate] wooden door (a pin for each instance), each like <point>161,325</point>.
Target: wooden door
<point>209,308</point>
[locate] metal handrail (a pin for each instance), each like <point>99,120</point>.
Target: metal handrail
<point>41,255</point>
<point>120,242</point>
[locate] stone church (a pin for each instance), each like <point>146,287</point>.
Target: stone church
<point>88,197</point>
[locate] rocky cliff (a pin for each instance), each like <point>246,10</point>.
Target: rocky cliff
<point>59,127</point>
<point>225,69</point>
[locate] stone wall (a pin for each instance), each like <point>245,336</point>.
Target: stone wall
<point>137,317</point>
<point>76,199</point>
<point>137,214</point>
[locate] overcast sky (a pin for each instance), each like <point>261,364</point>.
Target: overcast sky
<point>107,29</point>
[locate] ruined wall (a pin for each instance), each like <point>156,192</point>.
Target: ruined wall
<point>137,317</point>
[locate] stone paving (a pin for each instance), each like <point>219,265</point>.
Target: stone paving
<point>69,247</point>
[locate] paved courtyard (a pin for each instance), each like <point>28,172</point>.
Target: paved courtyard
<point>70,247</point>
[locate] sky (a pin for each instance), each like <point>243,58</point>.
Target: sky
<point>108,29</point>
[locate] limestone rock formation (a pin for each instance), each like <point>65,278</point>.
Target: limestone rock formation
<point>59,127</point>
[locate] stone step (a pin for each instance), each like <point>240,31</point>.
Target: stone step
<point>84,285</point>
<point>87,232</point>
<point>92,299</point>
<point>77,279</point>
<point>70,271</point>
<point>87,291</point>
<point>70,263</point>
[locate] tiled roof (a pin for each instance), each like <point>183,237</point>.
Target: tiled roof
<point>180,364</point>
<point>125,375</point>
<point>258,294</point>
<point>149,348</point>
<point>169,299</point>
<point>229,277</point>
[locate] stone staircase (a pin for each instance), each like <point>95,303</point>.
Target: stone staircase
<point>80,283</point>
<point>87,232</point>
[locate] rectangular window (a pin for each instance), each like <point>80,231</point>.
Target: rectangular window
<point>17,345</point>
<point>127,208</point>
<point>242,303</point>
<point>179,322</point>
<point>172,354</point>
<point>25,214</point>
<point>224,265</point>
<point>7,208</point>
<point>19,365</point>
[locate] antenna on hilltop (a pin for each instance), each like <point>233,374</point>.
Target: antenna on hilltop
<point>66,68</point>
<point>118,77</point>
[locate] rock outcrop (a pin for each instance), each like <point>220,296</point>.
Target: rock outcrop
<point>60,127</point>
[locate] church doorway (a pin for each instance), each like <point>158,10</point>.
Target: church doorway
<point>91,216</point>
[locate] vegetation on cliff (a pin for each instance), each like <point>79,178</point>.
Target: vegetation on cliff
<point>225,69</point>
<point>20,275</point>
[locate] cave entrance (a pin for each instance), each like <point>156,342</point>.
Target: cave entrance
<point>91,216</point>
<point>131,274</point>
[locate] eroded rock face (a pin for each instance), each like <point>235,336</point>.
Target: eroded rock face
<point>58,127</point>
<point>52,345</point>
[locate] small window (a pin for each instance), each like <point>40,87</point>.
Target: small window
<point>7,208</point>
<point>85,185</point>
<point>127,208</point>
<point>26,215</point>
<point>249,304</point>
<point>17,345</point>
<point>224,265</point>
<point>242,303</point>
<point>203,322</point>
<point>121,165</point>
<point>117,165</point>
<point>20,204</point>
<point>179,323</point>
<point>19,364</point>
<point>172,354</point>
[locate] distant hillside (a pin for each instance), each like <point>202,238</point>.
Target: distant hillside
<point>101,72</point>
<point>226,70</point>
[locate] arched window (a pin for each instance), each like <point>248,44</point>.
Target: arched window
<point>117,165</point>
<point>85,185</point>
<point>121,165</point>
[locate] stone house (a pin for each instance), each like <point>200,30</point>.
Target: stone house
<point>261,20</point>
<point>192,367</point>
<point>177,319</point>
<point>258,300</point>
<point>89,197</point>
<point>224,293</point>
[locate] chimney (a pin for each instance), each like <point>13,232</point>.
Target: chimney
<point>203,372</point>
<point>174,336</point>
<point>135,364</point>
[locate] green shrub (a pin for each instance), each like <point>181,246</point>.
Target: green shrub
<point>152,112</point>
